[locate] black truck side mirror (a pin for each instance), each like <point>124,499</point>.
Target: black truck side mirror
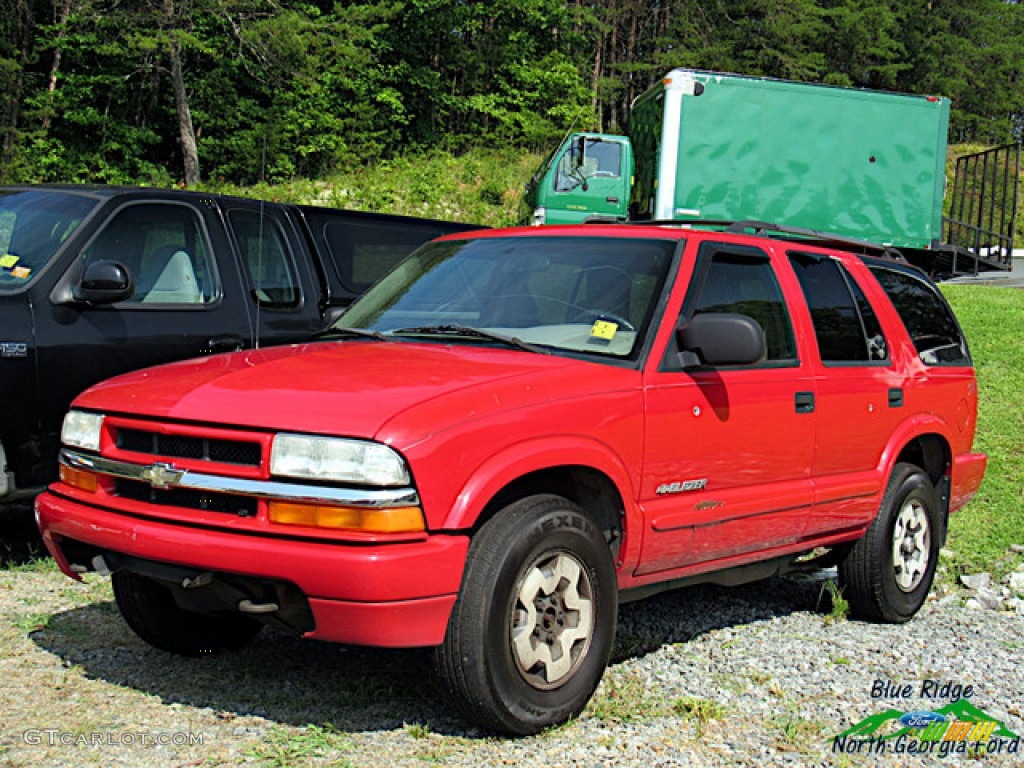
<point>105,282</point>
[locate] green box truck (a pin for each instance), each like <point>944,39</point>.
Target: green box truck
<point>702,145</point>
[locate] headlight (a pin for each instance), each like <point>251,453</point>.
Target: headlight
<point>82,430</point>
<point>540,215</point>
<point>337,459</point>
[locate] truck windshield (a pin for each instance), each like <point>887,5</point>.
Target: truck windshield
<point>602,159</point>
<point>33,226</point>
<point>572,294</point>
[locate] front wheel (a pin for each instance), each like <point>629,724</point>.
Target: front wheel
<point>887,574</point>
<point>149,609</point>
<point>532,629</point>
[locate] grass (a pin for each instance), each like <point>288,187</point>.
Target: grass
<point>628,698</point>
<point>982,533</point>
<point>286,747</point>
<point>479,187</point>
<point>837,605</point>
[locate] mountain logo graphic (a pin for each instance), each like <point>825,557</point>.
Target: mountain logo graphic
<point>958,721</point>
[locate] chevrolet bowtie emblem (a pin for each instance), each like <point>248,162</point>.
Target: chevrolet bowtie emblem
<point>162,475</point>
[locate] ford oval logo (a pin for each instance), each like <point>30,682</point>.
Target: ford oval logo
<point>921,719</point>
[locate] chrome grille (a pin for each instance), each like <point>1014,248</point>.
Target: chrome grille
<point>208,501</point>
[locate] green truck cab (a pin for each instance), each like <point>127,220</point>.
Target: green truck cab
<point>709,145</point>
<point>588,178</point>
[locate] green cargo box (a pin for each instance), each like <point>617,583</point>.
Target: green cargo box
<point>867,164</point>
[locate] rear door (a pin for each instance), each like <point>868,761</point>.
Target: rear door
<point>282,289</point>
<point>860,393</point>
<point>729,450</point>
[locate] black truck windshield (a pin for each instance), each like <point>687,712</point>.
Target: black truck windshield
<point>33,226</point>
<point>574,294</point>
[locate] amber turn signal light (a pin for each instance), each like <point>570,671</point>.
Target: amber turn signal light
<point>84,481</point>
<point>395,520</point>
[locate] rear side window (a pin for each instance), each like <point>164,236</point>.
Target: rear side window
<point>266,256</point>
<point>926,316</point>
<point>365,251</point>
<point>845,325</point>
<point>742,281</point>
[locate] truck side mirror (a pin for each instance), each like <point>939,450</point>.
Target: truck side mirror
<point>579,153</point>
<point>105,282</point>
<point>720,339</point>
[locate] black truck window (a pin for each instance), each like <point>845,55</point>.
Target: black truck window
<point>165,249</point>
<point>266,256</point>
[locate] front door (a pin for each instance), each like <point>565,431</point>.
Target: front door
<point>597,187</point>
<point>185,304</point>
<point>729,450</point>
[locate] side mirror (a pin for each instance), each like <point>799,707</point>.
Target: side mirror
<point>105,282</point>
<point>721,339</point>
<point>579,153</point>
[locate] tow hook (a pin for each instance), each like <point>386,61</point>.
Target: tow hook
<point>248,606</point>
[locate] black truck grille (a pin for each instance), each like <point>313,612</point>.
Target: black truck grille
<point>243,506</point>
<point>187,447</point>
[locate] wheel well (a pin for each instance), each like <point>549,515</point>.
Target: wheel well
<point>929,452</point>
<point>932,454</point>
<point>592,490</point>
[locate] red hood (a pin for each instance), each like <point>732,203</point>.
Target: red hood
<point>349,388</point>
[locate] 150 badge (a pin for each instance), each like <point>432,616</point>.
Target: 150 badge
<point>13,349</point>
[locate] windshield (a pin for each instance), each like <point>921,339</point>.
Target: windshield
<point>33,226</point>
<point>574,294</point>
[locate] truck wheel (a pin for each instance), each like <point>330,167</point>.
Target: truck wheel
<point>149,609</point>
<point>530,634</point>
<point>887,575</point>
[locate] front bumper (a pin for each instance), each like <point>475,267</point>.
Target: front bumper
<point>381,594</point>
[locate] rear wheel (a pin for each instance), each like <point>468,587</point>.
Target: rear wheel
<point>531,631</point>
<point>149,609</point>
<point>888,573</point>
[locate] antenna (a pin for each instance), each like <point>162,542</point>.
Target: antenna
<point>259,249</point>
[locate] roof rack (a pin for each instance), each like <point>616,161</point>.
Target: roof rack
<point>768,229</point>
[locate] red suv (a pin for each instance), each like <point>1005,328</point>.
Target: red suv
<point>516,429</point>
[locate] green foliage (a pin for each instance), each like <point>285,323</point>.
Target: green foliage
<point>831,597</point>
<point>480,186</point>
<point>279,89</point>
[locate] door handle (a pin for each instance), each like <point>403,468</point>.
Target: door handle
<point>226,343</point>
<point>804,402</point>
<point>895,397</point>
<point>612,200</point>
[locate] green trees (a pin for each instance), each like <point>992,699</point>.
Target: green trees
<point>174,91</point>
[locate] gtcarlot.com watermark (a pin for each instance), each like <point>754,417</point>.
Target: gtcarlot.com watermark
<point>54,737</point>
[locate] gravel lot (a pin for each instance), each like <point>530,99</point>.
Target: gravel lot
<point>756,675</point>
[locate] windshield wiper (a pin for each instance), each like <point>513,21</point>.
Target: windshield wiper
<point>347,333</point>
<point>455,330</point>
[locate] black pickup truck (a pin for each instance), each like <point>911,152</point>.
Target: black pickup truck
<point>96,281</point>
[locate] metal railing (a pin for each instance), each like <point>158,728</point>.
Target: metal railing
<point>983,209</point>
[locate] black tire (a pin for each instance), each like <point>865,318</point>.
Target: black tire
<point>525,650</point>
<point>149,609</point>
<point>887,574</point>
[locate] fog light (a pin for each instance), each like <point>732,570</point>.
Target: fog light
<point>396,520</point>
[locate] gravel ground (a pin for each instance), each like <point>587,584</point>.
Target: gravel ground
<point>756,675</point>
